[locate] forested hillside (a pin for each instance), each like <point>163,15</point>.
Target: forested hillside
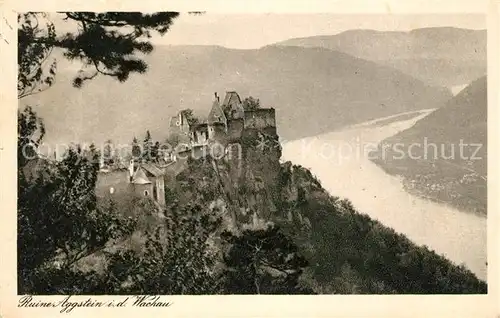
<point>248,225</point>
<point>443,56</point>
<point>449,163</point>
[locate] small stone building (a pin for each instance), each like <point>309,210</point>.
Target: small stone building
<point>139,180</point>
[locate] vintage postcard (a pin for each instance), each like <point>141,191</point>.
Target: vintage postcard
<point>240,159</point>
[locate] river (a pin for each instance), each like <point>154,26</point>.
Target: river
<point>339,162</point>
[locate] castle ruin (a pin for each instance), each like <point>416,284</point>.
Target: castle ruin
<point>225,125</point>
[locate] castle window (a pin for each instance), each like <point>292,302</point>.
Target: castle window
<point>146,193</point>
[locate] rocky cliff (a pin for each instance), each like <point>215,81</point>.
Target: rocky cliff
<point>348,252</point>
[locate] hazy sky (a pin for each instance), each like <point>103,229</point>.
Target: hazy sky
<point>255,30</point>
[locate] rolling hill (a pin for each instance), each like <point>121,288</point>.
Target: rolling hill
<point>442,56</point>
<point>444,172</point>
<point>314,90</point>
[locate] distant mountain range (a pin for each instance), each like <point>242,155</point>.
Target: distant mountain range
<point>442,56</point>
<point>447,175</point>
<point>314,90</point>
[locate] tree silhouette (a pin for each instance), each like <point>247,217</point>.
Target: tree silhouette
<point>136,150</point>
<point>263,261</point>
<point>147,147</point>
<point>58,218</point>
<point>108,153</point>
<point>251,103</point>
<point>190,117</point>
<point>178,258</point>
<point>30,132</point>
<point>155,151</point>
<point>109,43</point>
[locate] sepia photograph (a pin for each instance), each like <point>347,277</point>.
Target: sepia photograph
<point>207,153</point>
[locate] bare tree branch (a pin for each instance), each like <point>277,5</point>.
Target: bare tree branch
<point>8,24</point>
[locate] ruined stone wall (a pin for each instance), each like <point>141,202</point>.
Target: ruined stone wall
<point>260,118</point>
<point>124,193</point>
<point>234,129</point>
<point>217,133</point>
<point>117,180</point>
<point>140,189</point>
<point>160,184</point>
